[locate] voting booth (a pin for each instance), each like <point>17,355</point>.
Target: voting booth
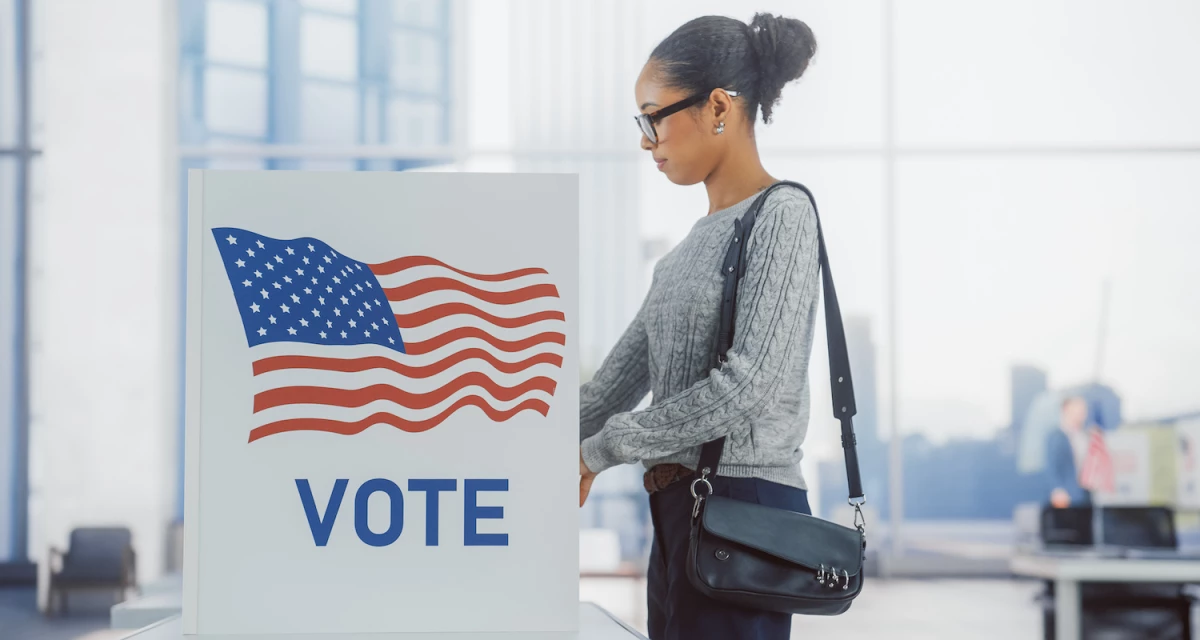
<point>382,403</point>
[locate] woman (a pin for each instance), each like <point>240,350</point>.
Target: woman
<point>699,95</point>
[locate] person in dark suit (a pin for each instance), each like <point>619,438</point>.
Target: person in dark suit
<point>1066,448</point>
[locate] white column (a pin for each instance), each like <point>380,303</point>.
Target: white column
<point>104,278</point>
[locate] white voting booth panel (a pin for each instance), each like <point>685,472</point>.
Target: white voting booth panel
<point>382,403</point>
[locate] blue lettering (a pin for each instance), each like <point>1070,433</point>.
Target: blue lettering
<point>396,523</point>
<point>472,513</point>
<point>431,489</point>
<point>321,526</point>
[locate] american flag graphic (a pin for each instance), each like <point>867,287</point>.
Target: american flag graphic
<point>1097,473</point>
<point>339,345</point>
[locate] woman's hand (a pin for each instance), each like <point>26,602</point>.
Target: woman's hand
<point>586,477</point>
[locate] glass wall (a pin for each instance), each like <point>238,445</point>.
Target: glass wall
<point>17,153</point>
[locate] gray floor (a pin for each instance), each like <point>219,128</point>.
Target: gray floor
<point>20,620</point>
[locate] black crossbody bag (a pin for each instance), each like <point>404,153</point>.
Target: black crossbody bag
<point>762,557</point>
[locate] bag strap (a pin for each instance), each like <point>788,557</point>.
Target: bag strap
<point>733,268</point>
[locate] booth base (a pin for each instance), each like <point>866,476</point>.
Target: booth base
<point>594,624</point>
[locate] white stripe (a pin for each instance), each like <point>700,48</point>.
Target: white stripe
<point>272,349</point>
<point>352,414</point>
<point>414,274</point>
<point>450,323</point>
<point>362,379</point>
<point>435,298</point>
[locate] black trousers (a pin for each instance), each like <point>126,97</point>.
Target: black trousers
<point>676,611</point>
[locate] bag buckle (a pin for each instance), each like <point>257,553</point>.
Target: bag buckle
<point>860,521</point>
<point>699,497</point>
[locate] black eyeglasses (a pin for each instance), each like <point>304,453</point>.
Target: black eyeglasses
<point>646,120</point>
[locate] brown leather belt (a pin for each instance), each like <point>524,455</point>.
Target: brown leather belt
<point>660,476</point>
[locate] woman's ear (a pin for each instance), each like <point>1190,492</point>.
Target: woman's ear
<point>721,105</point>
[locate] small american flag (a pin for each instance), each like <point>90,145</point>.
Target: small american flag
<point>1097,473</point>
<point>339,345</point>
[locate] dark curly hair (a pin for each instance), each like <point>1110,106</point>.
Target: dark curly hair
<point>755,59</point>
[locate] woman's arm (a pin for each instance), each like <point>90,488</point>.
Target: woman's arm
<point>621,382</point>
<point>778,287</point>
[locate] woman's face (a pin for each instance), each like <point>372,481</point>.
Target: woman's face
<point>687,149</point>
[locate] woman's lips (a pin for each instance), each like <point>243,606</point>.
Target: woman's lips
<point>660,164</point>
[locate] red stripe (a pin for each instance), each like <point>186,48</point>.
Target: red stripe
<point>362,397</point>
<point>428,285</point>
<point>351,428</point>
<point>425,316</point>
<point>437,342</point>
<point>400,264</point>
<point>351,365</point>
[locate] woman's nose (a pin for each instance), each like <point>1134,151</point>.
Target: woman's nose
<point>646,144</point>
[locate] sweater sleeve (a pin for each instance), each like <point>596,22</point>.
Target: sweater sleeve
<point>621,382</point>
<point>779,284</point>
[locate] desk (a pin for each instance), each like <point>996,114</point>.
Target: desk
<point>1067,571</point>
<point>594,624</point>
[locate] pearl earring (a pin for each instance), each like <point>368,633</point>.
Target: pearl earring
<point>720,128</point>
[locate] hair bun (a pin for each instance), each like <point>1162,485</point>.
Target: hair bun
<point>784,47</point>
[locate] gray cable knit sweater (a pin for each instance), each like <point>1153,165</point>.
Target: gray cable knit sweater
<point>760,397</point>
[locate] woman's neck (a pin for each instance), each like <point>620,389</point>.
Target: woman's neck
<point>739,176</point>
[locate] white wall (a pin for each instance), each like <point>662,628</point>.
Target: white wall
<point>104,292</point>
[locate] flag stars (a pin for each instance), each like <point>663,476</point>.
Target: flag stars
<point>328,260</point>
<point>287,279</point>
<point>295,298</point>
<point>307,291</point>
<point>321,268</point>
<point>311,248</point>
<point>337,280</point>
<point>262,331</point>
<point>322,335</point>
<point>303,322</point>
<point>231,239</point>
<point>276,285</point>
<point>345,300</point>
<point>391,341</point>
<point>291,331</point>
<point>257,273</point>
<point>367,334</point>
<point>360,313</point>
<point>305,259</point>
<point>353,324</point>
<point>265,295</point>
<point>271,319</point>
<point>343,335</point>
<point>270,267</point>
<point>329,323</point>
<point>359,287</point>
<point>370,286</point>
<point>316,313</point>
<point>240,263</point>
<point>353,292</point>
<point>278,259</point>
<point>260,244</point>
<point>299,271</point>
<point>284,308</point>
<point>321,299</point>
<point>337,311</point>
<point>254,307</point>
<point>328,289</point>
<point>289,252</point>
<point>250,252</point>
<point>246,283</point>
<point>375,326</point>
<point>314,280</point>
<point>384,321</point>
<point>367,304</point>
